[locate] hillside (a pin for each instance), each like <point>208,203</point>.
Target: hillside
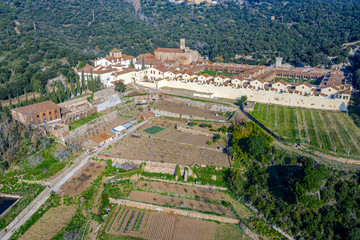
<point>37,33</point>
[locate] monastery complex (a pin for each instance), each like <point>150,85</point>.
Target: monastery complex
<point>183,69</point>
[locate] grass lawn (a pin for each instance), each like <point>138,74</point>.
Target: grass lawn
<point>154,129</point>
<point>83,121</point>
<point>213,73</point>
<point>327,131</point>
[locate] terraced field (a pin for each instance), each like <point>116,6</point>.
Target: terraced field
<point>155,225</point>
<point>323,130</point>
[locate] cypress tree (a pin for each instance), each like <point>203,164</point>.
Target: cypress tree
<point>131,64</point>
<point>142,63</point>
<point>26,98</point>
<point>78,88</point>
<point>83,84</point>
<point>10,102</point>
<point>72,87</point>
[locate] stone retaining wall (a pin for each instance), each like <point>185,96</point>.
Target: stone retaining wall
<point>101,120</point>
<point>183,116</point>
<point>262,96</point>
<point>154,167</point>
<point>202,105</point>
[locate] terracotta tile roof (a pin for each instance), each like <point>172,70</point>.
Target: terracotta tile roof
<point>161,68</point>
<point>115,50</point>
<point>86,68</point>
<point>304,83</point>
<point>37,108</point>
<point>170,50</point>
<point>100,138</point>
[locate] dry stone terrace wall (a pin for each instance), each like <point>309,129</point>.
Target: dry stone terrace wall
<point>262,96</point>
<point>203,105</point>
<point>154,167</point>
<point>178,115</point>
<point>101,120</point>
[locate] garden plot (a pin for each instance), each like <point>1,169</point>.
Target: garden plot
<point>142,148</point>
<point>325,130</point>
<point>100,128</point>
<point>182,108</point>
<point>181,190</point>
<point>50,223</point>
<point>169,132</point>
<point>154,225</point>
<point>83,179</point>
<point>158,199</point>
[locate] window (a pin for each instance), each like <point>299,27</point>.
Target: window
<point>43,114</point>
<point>55,111</point>
<point>38,121</point>
<point>49,113</point>
<point>56,117</point>
<point>37,116</point>
<point>50,118</point>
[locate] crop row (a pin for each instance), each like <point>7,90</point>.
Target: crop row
<point>332,131</point>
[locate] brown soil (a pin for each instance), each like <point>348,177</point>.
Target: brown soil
<point>83,179</point>
<point>170,133</point>
<point>50,223</point>
<point>188,110</point>
<point>181,190</point>
<point>159,199</point>
<point>155,225</point>
<point>136,147</point>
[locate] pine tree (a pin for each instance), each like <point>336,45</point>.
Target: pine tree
<point>33,99</point>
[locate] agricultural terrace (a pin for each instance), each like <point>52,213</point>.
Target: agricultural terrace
<point>163,200</point>
<point>153,129</point>
<point>100,127</point>
<point>324,130</point>
<point>50,223</point>
<point>194,135</point>
<point>149,149</point>
<point>198,193</point>
<point>154,225</point>
<point>83,179</point>
<point>184,109</point>
<point>181,190</point>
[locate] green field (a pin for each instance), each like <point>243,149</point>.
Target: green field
<point>323,130</point>
<point>154,129</point>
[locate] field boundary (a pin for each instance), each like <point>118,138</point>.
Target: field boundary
<point>186,213</point>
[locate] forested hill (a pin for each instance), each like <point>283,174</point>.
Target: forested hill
<point>303,32</point>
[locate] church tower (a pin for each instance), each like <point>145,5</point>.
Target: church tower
<point>182,43</point>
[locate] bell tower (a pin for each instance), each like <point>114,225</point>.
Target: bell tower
<point>182,43</point>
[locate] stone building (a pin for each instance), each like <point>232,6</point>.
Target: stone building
<point>40,113</point>
<point>183,55</point>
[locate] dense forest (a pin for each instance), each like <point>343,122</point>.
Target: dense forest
<point>41,39</point>
<point>306,199</point>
